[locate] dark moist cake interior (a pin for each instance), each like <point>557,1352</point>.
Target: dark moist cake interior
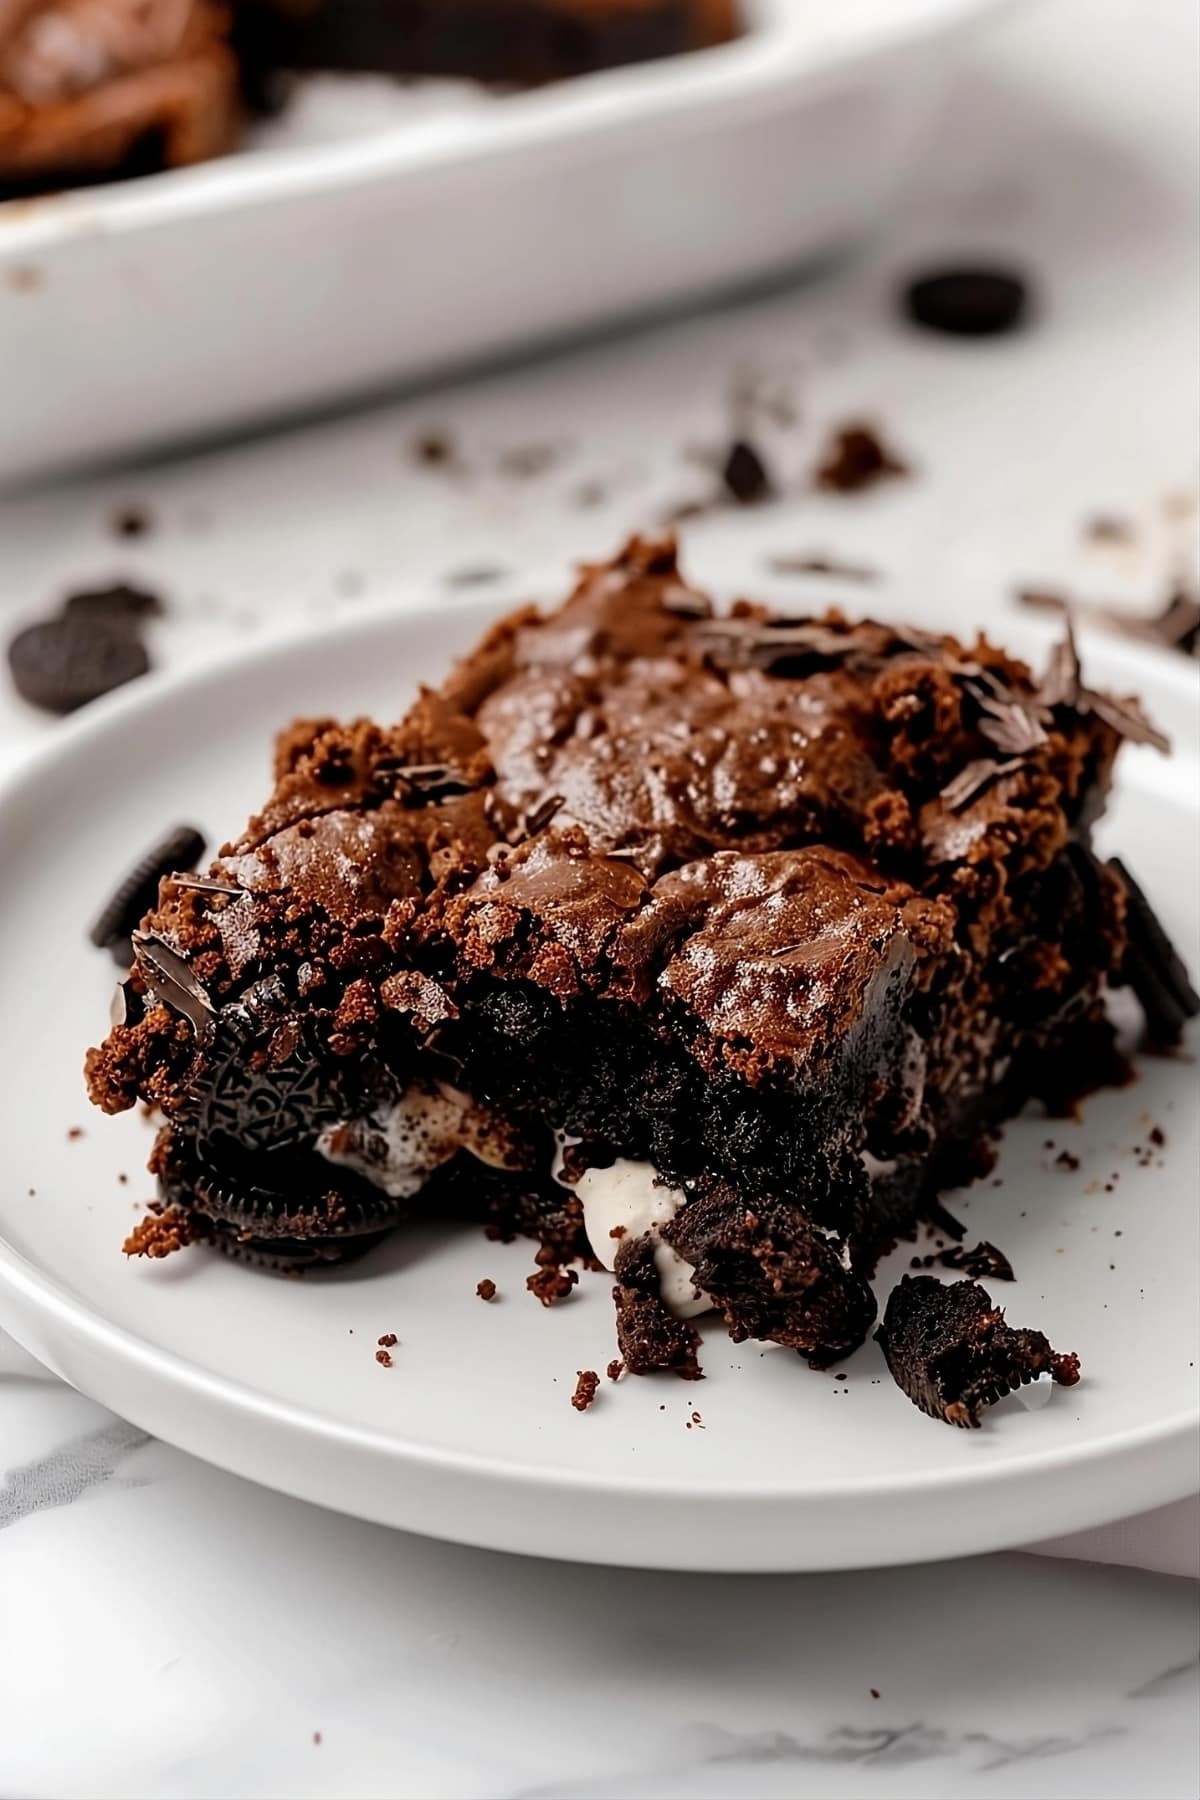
<point>793,912</point>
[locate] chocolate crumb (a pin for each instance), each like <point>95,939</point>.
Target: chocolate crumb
<point>387,1340</point>
<point>874,1693</point>
<point>74,1133</point>
<point>477,575</point>
<point>1109,528</point>
<point>855,458</point>
<point>745,475</point>
<point>1157,1136</point>
<point>160,1233</point>
<point>434,448</point>
<point>615,1369</point>
<point>816,564</point>
<point>525,461</point>
<point>486,1289</point>
<point>550,1285</point>
<point>383,1358</point>
<point>585,1389</point>
<point>131,522</point>
<point>1066,1160</point>
<point>316,1737</point>
<point>589,494</point>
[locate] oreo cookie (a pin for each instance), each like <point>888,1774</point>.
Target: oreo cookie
<point>134,896</point>
<point>293,1211</point>
<point>62,664</point>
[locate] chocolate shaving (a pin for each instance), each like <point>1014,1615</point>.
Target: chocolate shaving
<point>982,1259</point>
<point>1005,719</point>
<point>170,980</point>
<point>423,779</point>
<point>205,884</point>
<point>973,779</point>
<point>1127,717</point>
<point>1063,685</point>
<point>943,1220</point>
<point>540,815</point>
<point>745,642</point>
<point>1153,967</point>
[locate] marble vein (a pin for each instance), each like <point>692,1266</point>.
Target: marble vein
<point>67,1472</point>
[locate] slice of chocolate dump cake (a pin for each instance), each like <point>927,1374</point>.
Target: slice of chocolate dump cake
<point>709,950</point>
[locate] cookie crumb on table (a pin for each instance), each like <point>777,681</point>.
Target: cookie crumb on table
<point>585,1389</point>
<point>486,1289</point>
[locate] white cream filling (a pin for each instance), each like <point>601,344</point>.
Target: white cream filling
<point>400,1147</point>
<point>623,1202</point>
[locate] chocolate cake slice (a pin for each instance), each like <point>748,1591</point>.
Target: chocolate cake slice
<point>706,949</point>
<point>93,89</point>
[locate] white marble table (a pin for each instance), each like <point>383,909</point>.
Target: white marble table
<point>166,1630</point>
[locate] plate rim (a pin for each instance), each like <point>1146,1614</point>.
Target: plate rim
<point>42,1303</point>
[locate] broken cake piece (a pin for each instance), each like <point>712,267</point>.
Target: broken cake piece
<point>707,950</point>
<point>952,1353</point>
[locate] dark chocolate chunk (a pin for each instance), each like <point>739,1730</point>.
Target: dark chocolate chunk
<point>541,815</point>
<point>951,1352</point>
<point>137,893</point>
<point>855,458</point>
<point>1153,967</point>
<point>122,606</point>
<point>745,473</point>
<point>170,980</point>
<point>62,664</point>
<point>967,302</point>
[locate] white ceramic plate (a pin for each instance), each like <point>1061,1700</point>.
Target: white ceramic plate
<point>470,1435</point>
<point>375,237</point>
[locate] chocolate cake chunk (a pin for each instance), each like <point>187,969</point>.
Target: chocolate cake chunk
<point>510,42</point>
<point>707,950</point>
<point>91,89</point>
<point>950,1350</point>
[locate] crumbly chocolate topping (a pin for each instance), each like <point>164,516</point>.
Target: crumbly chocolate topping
<point>585,1389</point>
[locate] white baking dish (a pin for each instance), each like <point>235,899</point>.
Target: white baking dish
<point>375,236</point>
